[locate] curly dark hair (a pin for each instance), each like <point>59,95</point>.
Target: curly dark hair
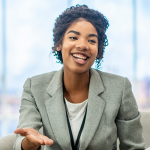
<point>72,14</point>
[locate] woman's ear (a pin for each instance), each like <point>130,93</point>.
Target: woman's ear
<point>59,48</point>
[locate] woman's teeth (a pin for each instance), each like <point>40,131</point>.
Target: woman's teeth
<point>79,56</point>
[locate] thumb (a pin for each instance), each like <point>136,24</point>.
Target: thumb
<point>22,132</point>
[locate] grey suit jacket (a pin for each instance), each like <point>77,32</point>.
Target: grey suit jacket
<point>112,112</point>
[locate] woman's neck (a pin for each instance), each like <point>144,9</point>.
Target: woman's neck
<point>76,86</point>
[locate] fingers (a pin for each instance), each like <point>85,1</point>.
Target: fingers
<point>48,141</point>
<point>44,140</point>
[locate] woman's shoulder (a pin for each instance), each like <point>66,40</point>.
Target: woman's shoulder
<point>111,78</point>
<point>42,78</point>
<point>44,75</point>
<point>109,75</point>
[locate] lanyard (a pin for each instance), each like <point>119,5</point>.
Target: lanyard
<point>75,147</point>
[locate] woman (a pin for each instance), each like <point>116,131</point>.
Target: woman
<point>79,107</point>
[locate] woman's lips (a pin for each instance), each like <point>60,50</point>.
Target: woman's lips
<point>80,60</point>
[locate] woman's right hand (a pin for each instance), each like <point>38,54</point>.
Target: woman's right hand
<point>33,139</point>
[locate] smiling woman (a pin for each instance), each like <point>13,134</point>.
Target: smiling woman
<point>79,107</point>
<point>74,14</point>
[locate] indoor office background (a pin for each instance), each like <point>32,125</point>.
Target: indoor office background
<point>26,39</point>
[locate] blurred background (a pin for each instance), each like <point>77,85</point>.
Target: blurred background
<point>26,40</point>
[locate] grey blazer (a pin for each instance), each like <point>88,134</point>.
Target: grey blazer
<point>112,112</point>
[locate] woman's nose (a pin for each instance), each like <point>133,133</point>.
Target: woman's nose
<point>82,45</point>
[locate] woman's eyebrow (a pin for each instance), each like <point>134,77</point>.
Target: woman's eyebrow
<point>78,33</point>
<point>93,35</point>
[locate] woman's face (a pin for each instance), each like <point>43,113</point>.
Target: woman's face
<point>79,46</point>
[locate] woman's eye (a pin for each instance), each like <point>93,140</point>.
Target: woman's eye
<point>92,41</point>
<point>74,38</point>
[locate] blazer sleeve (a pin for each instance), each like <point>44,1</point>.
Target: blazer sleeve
<point>29,114</point>
<point>129,128</point>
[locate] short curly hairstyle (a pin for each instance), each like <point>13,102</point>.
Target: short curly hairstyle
<point>72,14</point>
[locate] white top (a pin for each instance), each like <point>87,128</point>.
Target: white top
<point>76,113</point>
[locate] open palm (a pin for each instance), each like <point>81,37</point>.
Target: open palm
<point>33,137</point>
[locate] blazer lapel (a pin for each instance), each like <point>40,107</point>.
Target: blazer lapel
<point>95,109</point>
<point>56,111</point>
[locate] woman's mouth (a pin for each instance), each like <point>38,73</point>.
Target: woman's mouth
<point>80,58</point>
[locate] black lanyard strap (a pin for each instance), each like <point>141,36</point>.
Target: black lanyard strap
<point>75,147</point>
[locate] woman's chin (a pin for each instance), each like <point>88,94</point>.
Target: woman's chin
<point>79,70</point>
